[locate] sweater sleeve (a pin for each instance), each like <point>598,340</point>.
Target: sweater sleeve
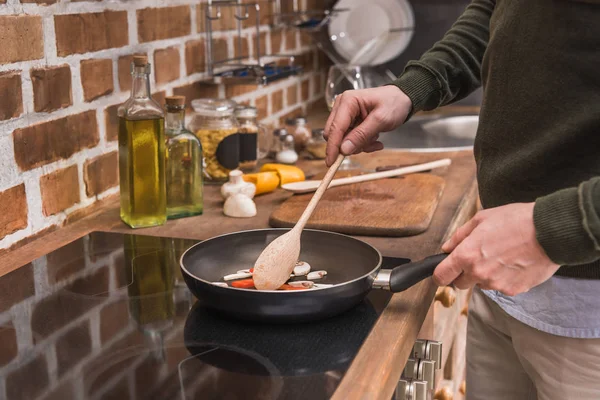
<point>451,69</point>
<point>567,224</point>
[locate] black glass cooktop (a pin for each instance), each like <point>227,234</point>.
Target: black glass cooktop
<point>109,317</point>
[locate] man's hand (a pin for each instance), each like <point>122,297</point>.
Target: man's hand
<point>497,249</point>
<point>367,112</point>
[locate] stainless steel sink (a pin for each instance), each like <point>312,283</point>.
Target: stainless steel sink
<point>433,133</point>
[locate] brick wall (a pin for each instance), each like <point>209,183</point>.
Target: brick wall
<point>64,70</point>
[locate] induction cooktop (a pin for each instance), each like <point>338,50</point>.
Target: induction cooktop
<point>109,316</point>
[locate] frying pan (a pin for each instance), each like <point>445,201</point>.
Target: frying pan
<point>353,268</point>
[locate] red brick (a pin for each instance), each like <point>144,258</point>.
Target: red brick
<point>318,85</point>
<point>51,88</point>
<point>195,56</point>
<point>277,101</point>
<point>11,98</point>
<point>124,73</point>
<point>163,23</point>
<point>111,119</point>
<point>50,141</point>
<point>305,60</point>
<point>262,104</point>
<point>292,95</point>
<point>238,90</point>
<point>265,14</point>
<point>245,53</point>
<point>72,347</point>
<point>96,78</point>
<point>220,50</point>
<point>22,38</point>
<point>227,21</point>
<point>160,97</point>
<point>8,344</point>
<point>113,318</point>
<point>65,262</point>
<point>16,286</point>
<point>60,190</point>
<point>276,41</point>
<point>305,90</point>
<point>13,210</point>
<point>101,173</point>
<point>82,33</point>
<point>29,380</point>
<point>195,91</point>
<point>262,44</point>
<point>166,64</point>
<point>74,300</point>
<point>305,39</point>
<point>290,40</point>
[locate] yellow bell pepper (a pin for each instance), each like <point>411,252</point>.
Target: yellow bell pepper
<point>265,182</point>
<point>287,173</point>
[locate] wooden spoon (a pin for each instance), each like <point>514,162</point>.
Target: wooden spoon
<point>275,264</point>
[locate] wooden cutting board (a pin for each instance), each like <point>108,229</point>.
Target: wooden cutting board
<point>400,206</point>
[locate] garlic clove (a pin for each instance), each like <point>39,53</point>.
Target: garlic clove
<point>305,284</point>
<point>221,284</point>
<point>321,285</point>
<point>301,268</point>
<point>239,206</point>
<point>237,184</point>
<point>316,275</point>
<point>244,271</point>
<point>232,277</point>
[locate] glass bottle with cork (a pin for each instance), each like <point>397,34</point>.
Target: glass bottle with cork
<point>142,153</point>
<point>183,163</point>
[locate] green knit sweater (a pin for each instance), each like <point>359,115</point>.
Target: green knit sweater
<point>539,128</point>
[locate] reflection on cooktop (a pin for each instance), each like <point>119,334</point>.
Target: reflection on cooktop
<point>108,316</point>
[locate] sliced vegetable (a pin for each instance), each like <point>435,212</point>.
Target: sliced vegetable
<point>304,284</point>
<point>222,284</point>
<point>301,268</point>
<point>265,182</point>
<point>316,275</point>
<point>243,284</point>
<point>287,173</point>
<point>232,277</point>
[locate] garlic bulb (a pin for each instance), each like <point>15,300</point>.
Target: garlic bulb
<point>239,206</point>
<point>237,184</point>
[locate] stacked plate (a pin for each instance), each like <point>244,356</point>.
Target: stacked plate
<point>372,32</point>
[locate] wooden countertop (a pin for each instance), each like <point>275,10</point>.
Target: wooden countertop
<point>377,367</point>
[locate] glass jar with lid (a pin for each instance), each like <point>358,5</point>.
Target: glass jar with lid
<point>254,140</point>
<point>214,123</point>
<point>298,128</point>
<point>317,145</point>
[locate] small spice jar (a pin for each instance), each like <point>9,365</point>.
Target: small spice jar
<point>254,140</point>
<point>276,141</point>
<point>299,130</point>
<point>287,154</point>
<point>317,145</point>
<point>214,123</point>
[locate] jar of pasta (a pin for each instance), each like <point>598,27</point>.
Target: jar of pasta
<point>255,142</point>
<point>214,123</point>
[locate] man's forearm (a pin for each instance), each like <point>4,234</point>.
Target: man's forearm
<point>451,69</point>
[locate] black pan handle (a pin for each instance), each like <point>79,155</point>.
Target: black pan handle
<point>407,275</point>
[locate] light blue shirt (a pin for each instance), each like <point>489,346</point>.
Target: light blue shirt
<point>560,306</point>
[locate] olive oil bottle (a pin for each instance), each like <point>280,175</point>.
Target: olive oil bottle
<point>183,163</point>
<point>142,153</point>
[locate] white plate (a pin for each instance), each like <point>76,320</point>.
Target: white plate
<point>350,30</point>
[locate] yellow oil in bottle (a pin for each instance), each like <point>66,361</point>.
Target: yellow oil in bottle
<point>152,264</point>
<point>142,172</point>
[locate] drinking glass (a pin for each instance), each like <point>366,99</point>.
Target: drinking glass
<point>339,79</point>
